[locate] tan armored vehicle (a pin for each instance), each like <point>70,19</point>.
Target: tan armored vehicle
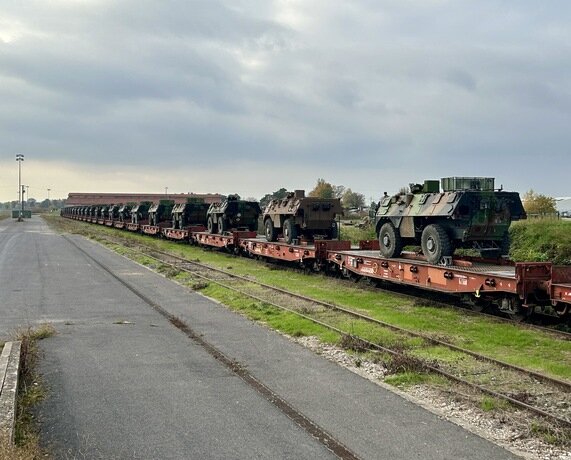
<point>297,215</point>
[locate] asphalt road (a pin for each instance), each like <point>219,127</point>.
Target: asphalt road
<point>125,383</point>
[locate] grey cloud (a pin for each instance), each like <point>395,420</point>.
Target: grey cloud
<point>407,89</point>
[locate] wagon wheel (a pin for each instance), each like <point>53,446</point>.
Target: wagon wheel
<point>435,243</point>
<point>221,225</point>
<point>270,231</point>
<point>390,241</point>
<point>290,231</point>
<point>211,225</point>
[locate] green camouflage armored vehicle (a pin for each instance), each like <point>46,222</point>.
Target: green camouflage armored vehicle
<point>113,212</point>
<point>233,213</point>
<point>124,213</point>
<point>193,212</point>
<point>467,213</point>
<point>140,213</point>
<point>297,215</point>
<point>160,212</point>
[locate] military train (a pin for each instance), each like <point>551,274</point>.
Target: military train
<point>467,212</point>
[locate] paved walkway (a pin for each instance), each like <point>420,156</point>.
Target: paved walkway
<point>125,383</point>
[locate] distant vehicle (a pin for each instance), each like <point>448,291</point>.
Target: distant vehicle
<point>233,213</point>
<point>297,215</point>
<point>468,213</point>
<point>161,212</point>
<point>193,212</point>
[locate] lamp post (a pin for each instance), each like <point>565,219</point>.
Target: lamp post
<point>49,190</point>
<point>19,159</point>
<point>167,192</point>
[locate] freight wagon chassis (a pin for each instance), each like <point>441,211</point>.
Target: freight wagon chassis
<point>517,290</point>
<point>228,240</point>
<point>311,255</point>
<point>182,234</point>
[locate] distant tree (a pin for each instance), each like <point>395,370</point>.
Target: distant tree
<point>45,204</point>
<point>353,200</point>
<point>277,195</point>
<point>323,190</point>
<point>535,203</point>
<point>338,191</point>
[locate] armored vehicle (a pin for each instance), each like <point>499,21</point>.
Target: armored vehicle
<point>297,215</point>
<point>140,213</point>
<point>113,212</point>
<point>102,212</point>
<point>160,212</point>
<point>124,213</point>
<point>193,212</point>
<point>467,213</point>
<point>233,213</point>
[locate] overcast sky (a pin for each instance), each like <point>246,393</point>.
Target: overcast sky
<point>251,96</point>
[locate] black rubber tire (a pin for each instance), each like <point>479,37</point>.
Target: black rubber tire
<point>210,225</point>
<point>435,243</point>
<point>290,231</point>
<point>334,231</point>
<point>505,245</point>
<point>390,241</point>
<point>270,231</point>
<point>221,225</point>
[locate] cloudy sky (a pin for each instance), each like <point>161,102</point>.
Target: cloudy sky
<point>249,96</point>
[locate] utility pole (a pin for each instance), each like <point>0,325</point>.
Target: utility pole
<point>19,159</point>
<point>167,192</point>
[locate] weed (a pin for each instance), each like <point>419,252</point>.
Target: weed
<point>31,391</point>
<point>199,285</point>
<point>350,342</point>
<point>550,434</point>
<point>488,404</point>
<point>403,363</point>
<point>405,379</point>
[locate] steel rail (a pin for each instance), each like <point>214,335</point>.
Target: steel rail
<point>371,345</point>
<point>560,383</point>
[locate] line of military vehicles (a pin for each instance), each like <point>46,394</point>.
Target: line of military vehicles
<point>434,219</point>
<point>466,213</point>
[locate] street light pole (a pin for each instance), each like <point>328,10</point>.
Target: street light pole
<point>19,159</point>
<point>49,190</point>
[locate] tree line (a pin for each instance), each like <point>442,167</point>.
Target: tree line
<point>31,203</point>
<point>323,189</point>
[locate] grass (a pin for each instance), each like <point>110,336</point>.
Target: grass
<point>511,343</point>
<point>541,240</point>
<point>488,404</point>
<point>31,392</point>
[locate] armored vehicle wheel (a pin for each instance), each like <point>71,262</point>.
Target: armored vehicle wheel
<point>270,231</point>
<point>505,245</point>
<point>221,225</point>
<point>435,243</point>
<point>334,231</point>
<point>210,225</point>
<point>290,231</point>
<point>390,242</point>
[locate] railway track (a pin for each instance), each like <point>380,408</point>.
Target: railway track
<point>543,395</point>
